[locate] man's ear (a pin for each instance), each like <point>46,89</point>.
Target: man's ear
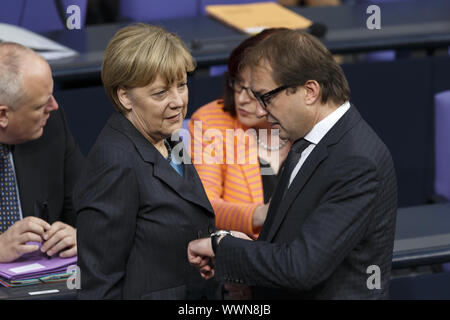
<point>124,98</point>
<point>312,91</point>
<point>4,110</point>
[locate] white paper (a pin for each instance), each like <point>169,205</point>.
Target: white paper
<point>47,48</point>
<point>34,293</point>
<point>27,268</point>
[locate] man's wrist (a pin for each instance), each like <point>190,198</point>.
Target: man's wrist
<point>216,237</point>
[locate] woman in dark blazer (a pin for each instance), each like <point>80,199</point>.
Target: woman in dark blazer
<point>137,208</point>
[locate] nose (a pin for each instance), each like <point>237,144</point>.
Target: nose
<point>260,111</point>
<point>53,106</point>
<point>177,99</point>
<point>243,97</point>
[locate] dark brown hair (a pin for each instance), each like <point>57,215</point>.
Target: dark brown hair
<point>296,57</point>
<point>235,64</point>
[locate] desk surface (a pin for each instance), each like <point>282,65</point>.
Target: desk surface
<point>412,24</point>
<point>55,291</point>
<point>422,236</point>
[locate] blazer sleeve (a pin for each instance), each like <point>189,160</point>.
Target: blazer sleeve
<point>229,215</point>
<point>107,201</point>
<point>74,163</point>
<point>322,243</point>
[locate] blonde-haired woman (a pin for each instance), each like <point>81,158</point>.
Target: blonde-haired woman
<point>137,208</point>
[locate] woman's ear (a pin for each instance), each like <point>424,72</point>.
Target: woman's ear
<point>4,120</point>
<point>124,97</point>
<point>312,91</point>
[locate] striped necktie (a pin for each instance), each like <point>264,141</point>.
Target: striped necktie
<point>8,196</point>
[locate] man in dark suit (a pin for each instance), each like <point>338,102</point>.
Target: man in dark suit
<point>38,166</point>
<point>331,220</point>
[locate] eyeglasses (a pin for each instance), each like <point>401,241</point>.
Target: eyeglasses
<point>238,87</point>
<point>264,99</point>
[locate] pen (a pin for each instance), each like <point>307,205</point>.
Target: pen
<point>41,211</point>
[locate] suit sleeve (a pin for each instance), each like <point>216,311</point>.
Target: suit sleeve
<point>323,241</point>
<point>229,215</point>
<point>107,201</point>
<point>74,163</point>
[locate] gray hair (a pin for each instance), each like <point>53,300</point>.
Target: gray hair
<point>11,75</point>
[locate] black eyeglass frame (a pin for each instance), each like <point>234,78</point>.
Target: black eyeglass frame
<point>261,98</point>
<point>232,82</point>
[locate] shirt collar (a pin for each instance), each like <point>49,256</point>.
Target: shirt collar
<point>323,126</point>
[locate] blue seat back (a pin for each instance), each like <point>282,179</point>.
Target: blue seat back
<point>150,10</point>
<point>38,16</point>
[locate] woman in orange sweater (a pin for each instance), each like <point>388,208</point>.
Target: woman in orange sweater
<point>238,171</point>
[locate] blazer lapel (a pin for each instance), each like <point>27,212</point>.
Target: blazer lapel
<point>32,182</point>
<point>188,187</point>
<point>309,166</point>
<point>27,178</point>
<point>319,154</point>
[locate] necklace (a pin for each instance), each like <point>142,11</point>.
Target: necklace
<point>265,146</point>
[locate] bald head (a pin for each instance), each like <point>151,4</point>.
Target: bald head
<point>13,59</point>
<point>26,94</point>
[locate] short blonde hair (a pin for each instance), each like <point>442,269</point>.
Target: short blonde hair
<point>137,54</point>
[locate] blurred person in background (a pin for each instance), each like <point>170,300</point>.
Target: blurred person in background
<point>239,193</point>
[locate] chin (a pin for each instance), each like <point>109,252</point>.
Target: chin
<point>38,134</point>
<point>249,123</point>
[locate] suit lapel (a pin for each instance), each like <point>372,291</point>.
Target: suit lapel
<point>26,180</point>
<point>32,178</point>
<point>319,154</point>
<point>188,187</point>
<point>309,166</point>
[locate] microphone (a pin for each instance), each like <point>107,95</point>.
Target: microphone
<point>317,29</point>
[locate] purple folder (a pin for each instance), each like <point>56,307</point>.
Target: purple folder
<point>34,265</point>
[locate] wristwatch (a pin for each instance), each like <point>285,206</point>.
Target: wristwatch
<point>215,237</point>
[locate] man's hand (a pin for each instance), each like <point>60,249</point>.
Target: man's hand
<point>259,215</point>
<point>200,253</point>
<point>60,238</point>
<point>240,235</point>
<point>13,241</point>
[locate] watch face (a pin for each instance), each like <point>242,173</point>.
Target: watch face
<point>221,233</point>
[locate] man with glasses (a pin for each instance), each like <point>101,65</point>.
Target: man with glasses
<point>331,220</point>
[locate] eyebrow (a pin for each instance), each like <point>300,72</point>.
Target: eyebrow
<point>259,91</point>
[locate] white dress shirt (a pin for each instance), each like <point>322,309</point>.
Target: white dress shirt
<point>317,133</point>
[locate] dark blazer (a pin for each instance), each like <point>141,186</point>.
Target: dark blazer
<point>336,220</point>
<point>136,216</point>
<point>46,170</point>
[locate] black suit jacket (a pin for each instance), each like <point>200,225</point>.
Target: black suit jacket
<point>136,216</point>
<point>46,170</point>
<point>336,220</point>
